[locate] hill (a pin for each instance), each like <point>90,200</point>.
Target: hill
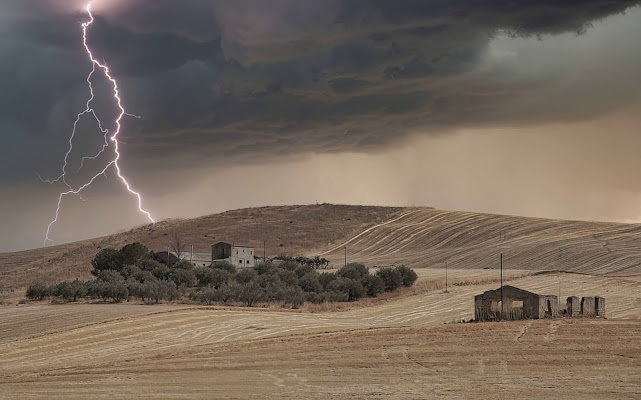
<point>419,237</point>
<point>291,230</point>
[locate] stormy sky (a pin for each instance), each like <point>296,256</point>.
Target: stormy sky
<point>517,107</point>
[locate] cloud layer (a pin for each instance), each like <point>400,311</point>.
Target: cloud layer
<point>223,84</point>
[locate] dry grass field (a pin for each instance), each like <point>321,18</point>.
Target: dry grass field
<point>406,345</point>
<point>402,347</point>
<point>289,230</point>
<point>419,237</point>
<point>427,237</point>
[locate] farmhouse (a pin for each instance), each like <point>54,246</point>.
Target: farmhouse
<point>512,303</point>
<point>240,256</point>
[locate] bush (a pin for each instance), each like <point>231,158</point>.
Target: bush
<point>391,278</point>
<point>162,272</point>
<point>353,271</point>
<point>352,288</point>
<point>326,279</point>
<point>183,264</point>
<point>250,293</point>
<point>70,291</point>
<point>183,277</point>
<point>134,254</point>
<point>294,296</point>
<point>106,259</point>
<point>373,284</point>
<point>408,276</point>
<point>206,295</point>
<point>224,265</point>
<point>211,276</point>
<point>150,265</point>
<point>38,291</point>
<point>288,277</point>
<point>245,275</point>
<point>264,267</point>
<point>310,283</point>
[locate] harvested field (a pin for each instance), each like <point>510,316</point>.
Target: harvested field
<point>418,237</point>
<point>425,237</point>
<point>394,349</point>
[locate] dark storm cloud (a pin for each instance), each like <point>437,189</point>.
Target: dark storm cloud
<point>281,77</point>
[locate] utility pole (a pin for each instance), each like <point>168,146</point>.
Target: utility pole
<point>501,285</point>
<point>345,255</point>
<point>446,277</point>
<point>264,251</point>
<point>191,259</point>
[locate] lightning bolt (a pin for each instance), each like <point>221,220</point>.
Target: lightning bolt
<point>96,65</point>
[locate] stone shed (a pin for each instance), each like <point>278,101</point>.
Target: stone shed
<point>517,304</point>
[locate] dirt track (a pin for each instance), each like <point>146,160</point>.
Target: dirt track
<point>395,349</point>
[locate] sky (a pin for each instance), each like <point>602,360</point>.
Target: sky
<point>514,107</point>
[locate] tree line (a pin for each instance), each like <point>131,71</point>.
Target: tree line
<point>135,272</point>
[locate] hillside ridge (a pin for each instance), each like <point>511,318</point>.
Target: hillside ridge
<point>416,236</point>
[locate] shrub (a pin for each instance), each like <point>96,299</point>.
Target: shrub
<point>206,295</point>
<point>263,267</point>
<point>162,272</point>
<point>373,284</point>
<point>183,264</point>
<point>106,259</point>
<point>408,275</point>
<point>38,291</point>
<point>303,270</point>
<point>134,253</point>
<point>245,275</point>
<point>150,265</point>
<point>250,293</point>
<point>326,279</point>
<point>224,265</point>
<point>211,276</point>
<point>391,278</point>
<point>70,291</point>
<point>355,271</point>
<point>310,283</point>
<point>294,296</point>
<point>129,270</point>
<point>183,277</point>
<point>351,287</point>
<point>288,277</point>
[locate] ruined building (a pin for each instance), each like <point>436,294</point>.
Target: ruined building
<point>521,304</point>
<point>517,304</point>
